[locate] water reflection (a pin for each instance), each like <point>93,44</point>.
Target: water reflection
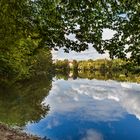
<point>91,134</point>
<point>81,108</point>
<point>21,102</point>
<point>100,75</point>
<point>67,96</point>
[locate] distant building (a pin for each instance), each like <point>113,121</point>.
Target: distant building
<point>70,64</point>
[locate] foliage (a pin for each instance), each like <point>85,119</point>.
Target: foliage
<point>42,62</point>
<point>87,20</point>
<point>62,65</point>
<point>103,69</point>
<point>92,65</point>
<point>18,62</point>
<point>19,56</point>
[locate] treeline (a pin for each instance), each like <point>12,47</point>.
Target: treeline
<point>101,69</point>
<point>94,65</point>
<point>100,75</point>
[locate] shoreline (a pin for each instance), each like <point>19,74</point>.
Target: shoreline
<point>7,133</point>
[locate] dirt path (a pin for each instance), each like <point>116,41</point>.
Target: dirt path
<point>11,134</point>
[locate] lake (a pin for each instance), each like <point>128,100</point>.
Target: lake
<point>79,109</point>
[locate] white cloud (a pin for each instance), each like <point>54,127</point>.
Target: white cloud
<point>91,53</point>
<point>52,123</point>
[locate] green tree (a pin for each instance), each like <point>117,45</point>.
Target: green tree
<point>19,56</point>
<point>88,19</point>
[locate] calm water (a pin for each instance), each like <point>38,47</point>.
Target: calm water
<point>78,109</point>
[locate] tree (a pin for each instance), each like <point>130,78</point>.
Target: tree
<point>18,55</point>
<point>87,20</point>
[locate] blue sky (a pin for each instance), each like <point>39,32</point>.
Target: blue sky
<point>91,53</point>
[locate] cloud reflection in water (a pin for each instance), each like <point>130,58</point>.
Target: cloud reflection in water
<point>98,100</point>
<point>92,135</point>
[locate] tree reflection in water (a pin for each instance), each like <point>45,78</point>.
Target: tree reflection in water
<point>21,102</point>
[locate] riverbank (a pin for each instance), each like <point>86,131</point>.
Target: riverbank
<point>7,133</point>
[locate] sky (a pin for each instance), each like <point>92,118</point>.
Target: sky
<point>91,53</point>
